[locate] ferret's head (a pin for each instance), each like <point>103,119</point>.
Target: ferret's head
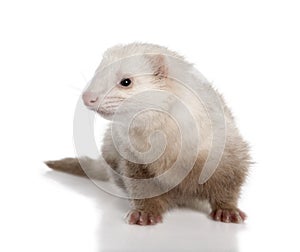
<point>124,72</point>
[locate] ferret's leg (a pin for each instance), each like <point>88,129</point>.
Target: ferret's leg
<point>147,211</point>
<point>227,212</point>
<point>224,186</point>
<point>224,208</point>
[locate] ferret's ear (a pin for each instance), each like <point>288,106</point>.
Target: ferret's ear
<point>158,63</point>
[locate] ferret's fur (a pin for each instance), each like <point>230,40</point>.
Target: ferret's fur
<point>221,190</point>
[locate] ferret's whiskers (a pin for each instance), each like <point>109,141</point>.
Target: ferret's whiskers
<point>83,77</point>
<point>144,104</point>
<point>77,89</point>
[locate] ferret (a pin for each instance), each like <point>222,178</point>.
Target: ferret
<point>172,140</point>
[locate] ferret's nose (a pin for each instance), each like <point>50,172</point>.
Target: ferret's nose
<point>90,99</point>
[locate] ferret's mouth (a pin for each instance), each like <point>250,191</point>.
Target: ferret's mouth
<point>104,113</point>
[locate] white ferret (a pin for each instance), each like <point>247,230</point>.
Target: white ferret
<point>172,139</point>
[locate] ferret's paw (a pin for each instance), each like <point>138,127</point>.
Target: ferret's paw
<point>228,215</point>
<point>142,218</point>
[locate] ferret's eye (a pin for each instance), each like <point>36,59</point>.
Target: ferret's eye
<point>125,82</point>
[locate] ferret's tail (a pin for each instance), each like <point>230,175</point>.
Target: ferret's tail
<point>93,168</point>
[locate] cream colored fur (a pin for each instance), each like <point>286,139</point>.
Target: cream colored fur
<point>155,68</point>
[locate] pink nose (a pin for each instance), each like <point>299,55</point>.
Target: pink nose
<point>90,99</point>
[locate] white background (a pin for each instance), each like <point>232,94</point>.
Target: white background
<point>49,50</point>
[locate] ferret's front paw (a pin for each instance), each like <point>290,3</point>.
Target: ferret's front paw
<point>228,215</point>
<point>143,218</point>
